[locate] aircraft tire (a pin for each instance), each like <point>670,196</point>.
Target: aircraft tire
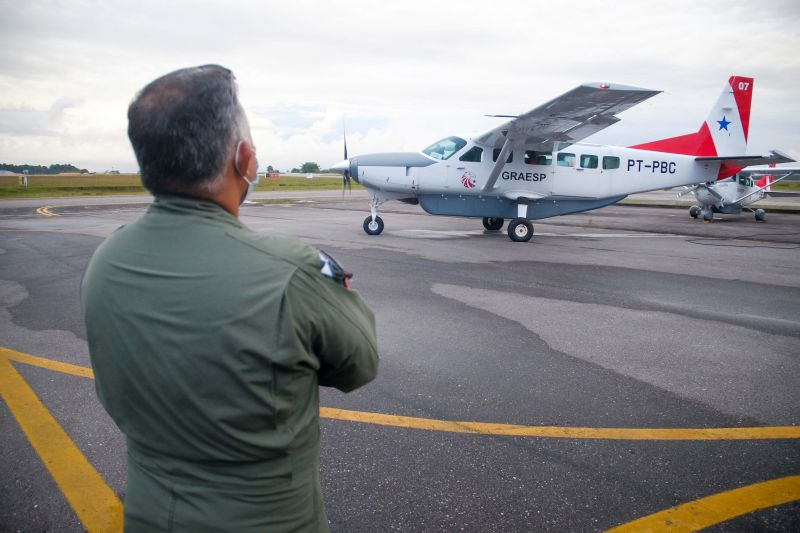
<point>760,215</point>
<point>708,215</point>
<point>492,224</point>
<point>373,227</point>
<point>694,211</point>
<point>520,230</point>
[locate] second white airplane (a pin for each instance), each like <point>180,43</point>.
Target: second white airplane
<point>532,166</point>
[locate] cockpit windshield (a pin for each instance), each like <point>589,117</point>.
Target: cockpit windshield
<point>445,148</point>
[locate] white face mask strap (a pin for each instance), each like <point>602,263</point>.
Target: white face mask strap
<point>236,163</point>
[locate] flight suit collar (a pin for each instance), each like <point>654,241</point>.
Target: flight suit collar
<point>193,206</point>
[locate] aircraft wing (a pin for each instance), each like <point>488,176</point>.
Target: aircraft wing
<point>748,195</point>
<point>770,171</point>
<point>568,118</point>
<point>774,156</point>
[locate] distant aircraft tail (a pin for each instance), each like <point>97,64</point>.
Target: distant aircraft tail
<point>724,132</point>
<point>765,181</point>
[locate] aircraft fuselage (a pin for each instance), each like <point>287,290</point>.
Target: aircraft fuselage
<point>577,178</point>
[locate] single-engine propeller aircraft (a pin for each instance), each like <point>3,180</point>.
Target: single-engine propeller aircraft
<point>532,166</point>
<point>731,195</point>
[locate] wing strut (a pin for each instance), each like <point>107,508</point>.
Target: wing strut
<point>499,164</point>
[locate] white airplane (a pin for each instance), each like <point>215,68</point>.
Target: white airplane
<point>532,167</point>
<point>731,195</point>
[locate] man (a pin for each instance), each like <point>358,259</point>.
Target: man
<point>209,341</point>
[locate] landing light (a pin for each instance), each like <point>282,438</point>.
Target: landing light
<point>604,85</point>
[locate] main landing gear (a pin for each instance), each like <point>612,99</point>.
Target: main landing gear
<point>492,224</point>
<point>520,230</point>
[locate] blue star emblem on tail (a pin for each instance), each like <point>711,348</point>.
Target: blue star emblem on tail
<point>723,124</point>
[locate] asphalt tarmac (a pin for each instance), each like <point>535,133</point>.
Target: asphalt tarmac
<point>563,360</point>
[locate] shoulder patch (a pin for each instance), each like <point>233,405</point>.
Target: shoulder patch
<point>331,268</point>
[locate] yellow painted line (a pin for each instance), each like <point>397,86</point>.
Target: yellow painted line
<point>99,509</point>
<point>483,428</point>
<point>487,428</point>
<point>96,505</point>
<point>50,364</point>
<point>45,211</point>
<point>717,508</point>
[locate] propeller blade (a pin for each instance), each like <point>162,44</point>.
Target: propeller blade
<point>714,193</point>
<point>346,173</point>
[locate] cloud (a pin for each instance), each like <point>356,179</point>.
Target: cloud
<point>27,121</point>
<point>403,73</point>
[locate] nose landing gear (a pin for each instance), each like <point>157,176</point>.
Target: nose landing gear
<point>373,224</point>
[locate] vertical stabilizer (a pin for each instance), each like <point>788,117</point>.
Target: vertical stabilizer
<point>729,120</point>
<point>725,130</point>
<point>765,182</point>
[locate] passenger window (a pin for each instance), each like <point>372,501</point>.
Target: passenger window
<point>496,154</point>
<point>610,163</point>
<point>532,157</point>
<point>588,161</point>
<point>473,155</point>
<point>565,160</point>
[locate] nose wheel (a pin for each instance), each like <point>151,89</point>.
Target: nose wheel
<point>373,226</point>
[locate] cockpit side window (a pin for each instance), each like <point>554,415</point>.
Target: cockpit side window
<point>473,155</point>
<point>445,148</point>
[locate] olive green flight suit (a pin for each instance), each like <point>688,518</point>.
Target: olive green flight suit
<point>208,343</point>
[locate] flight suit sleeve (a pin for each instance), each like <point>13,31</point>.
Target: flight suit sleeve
<point>341,329</point>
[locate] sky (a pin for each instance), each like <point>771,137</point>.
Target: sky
<point>398,75</point>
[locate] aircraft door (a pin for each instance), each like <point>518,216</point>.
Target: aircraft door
<point>468,172</point>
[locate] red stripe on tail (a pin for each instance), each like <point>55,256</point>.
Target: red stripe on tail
<point>743,92</point>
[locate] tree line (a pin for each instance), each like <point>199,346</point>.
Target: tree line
<point>56,168</point>
<point>59,168</point>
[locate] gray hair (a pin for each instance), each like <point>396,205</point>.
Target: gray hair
<point>183,128</point>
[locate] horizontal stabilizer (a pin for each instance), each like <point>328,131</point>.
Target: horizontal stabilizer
<point>775,156</point>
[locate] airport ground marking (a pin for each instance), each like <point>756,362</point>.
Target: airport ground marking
<point>564,432</point>
<point>45,211</point>
<point>96,505</point>
<point>488,428</point>
<point>717,508</point>
<point>99,509</point>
